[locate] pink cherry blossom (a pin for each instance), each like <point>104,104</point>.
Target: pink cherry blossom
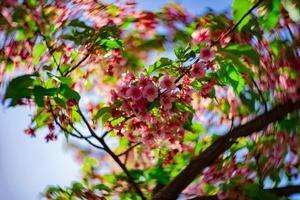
<point>150,92</point>
<point>206,54</point>
<point>206,88</point>
<point>168,82</point>
<point>224,41</point>
<point>166,101</point>
<point>134,92</point>
<point>122,91</point>
<point>198,70</point>
<point>201,35</point>
<point>144,81</point>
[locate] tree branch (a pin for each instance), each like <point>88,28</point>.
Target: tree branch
<point>282,191</point>
<point>226,34</point>
<point>83,59</point>
<point>77,65</point>
<point>129,149</point>
<point>261,95</point>
<point>79,136</point>
<point>209,155</point>
<point>113,155</point>
<point>238,23</point>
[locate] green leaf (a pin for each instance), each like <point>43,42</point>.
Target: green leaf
<point>160,64</point>
<point>19,88</point>
<point>244,50</point>
<point>110,178</point>
<point>38,51</point>
<point>136,173</point>
<point>60,102</point>
<point>235,60</point>
<point>20,35</point>
<point>108,44</point>
<point>210,189</point>
<point>229,74</point>
<point>270,19</point>
<point>105,117</point>
<point>240,8</point>
<point>101,112</point>
<point>77,187</point>
<point>198,128</point>
<point>188,122</point>
<point>40,92</point>
<point>160,175</point>
<point>31,3</point>
<point>91,161</point>
<point>78,23</point>
<point>190,137</point>
<point>69,93</point>
<point>199,147</point>
<point>101,187</point>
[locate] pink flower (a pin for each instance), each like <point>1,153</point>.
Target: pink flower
<point>224,41</point>
<point>198,70</point>
<point>206,54</point>
<point>140,107</point>
<point>30,131</point>
<point>168,82</point>
<point>206,88</point>
<point>122,91</point>
<point>50,137</point>
<point>114,95</point>
<point>150,92</point>
<point>134,92</point>
<point>144,81</point>
<point>129,77</point>
<point>166,101</point>
<point>201,35</point>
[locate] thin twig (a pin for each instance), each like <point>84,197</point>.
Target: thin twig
<point>50,49</point>
<point>226,34</point>
<point>80,136</point>
<point>113,155</point>
<point>77,65</point>
<point>83,59</point>
<point>232,124</point>
<point>260,94</point>
<point>129,149</point>
<point>238,23</point>
<point>104,134</point>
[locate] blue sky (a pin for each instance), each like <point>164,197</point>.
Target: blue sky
<point>28,165</point>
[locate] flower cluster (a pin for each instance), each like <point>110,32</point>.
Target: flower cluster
<point>150,105</point>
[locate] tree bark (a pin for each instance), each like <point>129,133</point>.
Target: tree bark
<point>209,155</point>
<point>282,191</point>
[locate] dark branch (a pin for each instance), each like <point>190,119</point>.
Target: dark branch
<point>215,42</point>
<point>129,149</point>
<point>282,191</point>
<point>113,155</point>
<point>209,155</point>
<point>261,95</point>
<point>104,134</point>
<point>77,65</point>
<point>79,136</point>
<point>238,23</point>
<point>83,59</point>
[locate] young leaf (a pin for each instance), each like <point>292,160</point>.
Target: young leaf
<point>69,93</point>
<point>19,88</point>
<point>239,9</point>
<point>38,51</point>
